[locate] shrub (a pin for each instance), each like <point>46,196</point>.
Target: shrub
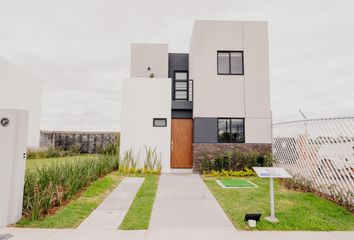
<point>129,162</point>
<point>330,192</point>
<point>74,150</point>
<point>231,161</point>
<point>152,163</point>
<point>206,164</point>
<point>53,184</point>
<point>269,160</point>
<point>52,152</point>
<point>111,148</point>
<point>225,173</point>
<point>298,182</point>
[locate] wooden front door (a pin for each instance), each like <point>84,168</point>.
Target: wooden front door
<point>181,145</point>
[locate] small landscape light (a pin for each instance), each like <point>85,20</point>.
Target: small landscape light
<point>252,218</point>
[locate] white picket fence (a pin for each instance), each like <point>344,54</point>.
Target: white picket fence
<point>319,151</point>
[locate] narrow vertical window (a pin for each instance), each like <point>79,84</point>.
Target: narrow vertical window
<point>223,130</point>
<point>237,131</point>
<point>223,63</point>
<point>181,87</point>
<point>236,63</point>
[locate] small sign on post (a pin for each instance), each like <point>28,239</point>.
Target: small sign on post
<point>271,173</point>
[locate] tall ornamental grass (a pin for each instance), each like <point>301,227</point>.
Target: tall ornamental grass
<point>131,162</point>
<point>52,185</point>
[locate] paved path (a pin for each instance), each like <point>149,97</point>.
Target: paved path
<point>111,212</point>
<point>76,234</point>
<point>184,208</point>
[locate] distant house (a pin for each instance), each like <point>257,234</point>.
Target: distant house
<point>21,90</point>
<point>212,99</point>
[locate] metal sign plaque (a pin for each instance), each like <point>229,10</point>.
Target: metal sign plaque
<point>271,172</point>
<point>4,122</point>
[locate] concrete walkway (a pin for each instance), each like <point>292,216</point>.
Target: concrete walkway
<point>111,212</point>
<point>76,234</point>
<point>184,208</point>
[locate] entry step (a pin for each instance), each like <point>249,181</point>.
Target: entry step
<point>181,170</point>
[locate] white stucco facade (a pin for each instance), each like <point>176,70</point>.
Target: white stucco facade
<point>143,100</point>
<point>207,106</point>
<point>147,59</point>
<point>21,90</point>
<point>236,96</point>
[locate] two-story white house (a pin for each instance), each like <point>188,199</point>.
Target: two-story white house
<point>212,99</point>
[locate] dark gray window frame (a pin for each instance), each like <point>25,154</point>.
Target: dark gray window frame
<point>228,118</point>
<point>159,119</point>
<point>229,52</point>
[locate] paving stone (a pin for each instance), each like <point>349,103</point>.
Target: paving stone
<point>184,202</point>
<point>111,212</point>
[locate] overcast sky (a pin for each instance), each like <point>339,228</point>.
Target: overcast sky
<point>81,50</point>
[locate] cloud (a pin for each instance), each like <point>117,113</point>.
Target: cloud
<point>79,110</point>
<point>81,49</point>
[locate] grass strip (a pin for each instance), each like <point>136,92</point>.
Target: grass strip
<point>33,164</point>
<point>138,215</point>
<point>295,210</point>
<point>72,214</point>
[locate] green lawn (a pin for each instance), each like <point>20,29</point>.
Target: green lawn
<point>71,215</point>
<point>39,162</point>
<point>295,210</point>
<point>138,216</point>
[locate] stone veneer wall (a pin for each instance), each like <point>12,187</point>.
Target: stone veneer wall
<point>90,142</point>
<point>199,149</point>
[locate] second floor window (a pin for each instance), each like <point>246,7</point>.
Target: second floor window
<point>230,62</point>
<point>181,85</point>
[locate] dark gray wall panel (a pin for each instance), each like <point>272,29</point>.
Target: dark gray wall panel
<point>177,61</point>
<point>182,114</point>
<point>205,130</point>
<point>182,105</point>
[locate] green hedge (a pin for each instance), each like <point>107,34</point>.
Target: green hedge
<point>234,161</point>
<point>52,152</point>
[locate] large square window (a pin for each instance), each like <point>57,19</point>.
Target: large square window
<point>231,130</point>
<point>230,62</point>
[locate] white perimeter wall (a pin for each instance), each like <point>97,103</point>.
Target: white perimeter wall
<point>21,90</point>
<point>142,100</point>
<point>13,143</point>
<point>244,96</point>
